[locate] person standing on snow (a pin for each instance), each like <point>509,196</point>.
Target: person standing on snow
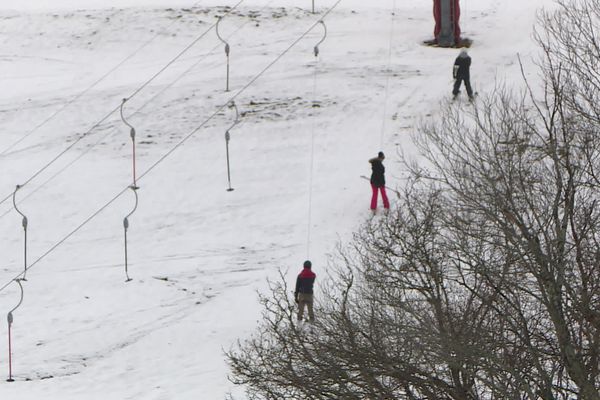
<point>378,181</point>
<point>461,73</point>
<point>304,291</point>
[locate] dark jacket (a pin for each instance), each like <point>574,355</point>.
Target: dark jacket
<point>463,62</point>
<point>378,174</point>
<point>305,282</point>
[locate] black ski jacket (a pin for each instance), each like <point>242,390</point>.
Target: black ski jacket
<point>463,62</point>
<point>378,174</point>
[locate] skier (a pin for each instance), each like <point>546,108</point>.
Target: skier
<point>378,181</point>
<point>460,73</point>
<point>304,291</point>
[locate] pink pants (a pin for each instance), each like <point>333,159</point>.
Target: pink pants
<point>386,203</point>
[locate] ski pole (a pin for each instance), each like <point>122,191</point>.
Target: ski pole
<point>387,187</point>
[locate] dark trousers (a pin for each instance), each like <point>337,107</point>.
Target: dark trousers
<point>457,83</point>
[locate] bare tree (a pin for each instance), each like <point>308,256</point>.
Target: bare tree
<point>485,281</point>
<point>571,44</point>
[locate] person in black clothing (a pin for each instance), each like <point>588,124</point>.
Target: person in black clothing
<point>304,291</point>
<point>461,73</point>
<point>378,181</point>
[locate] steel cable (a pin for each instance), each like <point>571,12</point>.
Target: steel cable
<point>179,144</point>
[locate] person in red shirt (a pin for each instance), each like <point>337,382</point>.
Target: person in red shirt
<point>304,291</point>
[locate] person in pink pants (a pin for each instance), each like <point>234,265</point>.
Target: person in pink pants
<point>378,181</point>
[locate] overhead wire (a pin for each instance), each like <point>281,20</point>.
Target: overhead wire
<point>138,110</point>
<point>105,117</point>
<point>312,143</point>
<point>94,84</point>
<point>310,172</point>
<point>176,146</point>
<point>388,73</point>
<point>181,53</point>
<point>240,91</point>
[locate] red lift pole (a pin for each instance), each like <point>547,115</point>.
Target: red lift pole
<point>447,29</point>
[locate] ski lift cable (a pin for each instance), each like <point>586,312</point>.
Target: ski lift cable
<point>240,91</point>
<point>60,242</point>
<point>388,72</point>
<point>111,132</point>
<point>176,146</point>
<point>312,141</point>
<point>103,119</point>
<point>181,53</point>
<point>94,84</point>
<point>310,172</point>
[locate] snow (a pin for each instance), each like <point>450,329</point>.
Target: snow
<point>198,254</point>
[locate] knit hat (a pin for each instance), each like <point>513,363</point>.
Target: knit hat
<point>307,264</point>
<point>381,155</point>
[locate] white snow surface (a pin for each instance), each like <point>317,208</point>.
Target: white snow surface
<point>199,254</point>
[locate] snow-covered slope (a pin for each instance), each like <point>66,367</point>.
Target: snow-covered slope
<point>197,253</point>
